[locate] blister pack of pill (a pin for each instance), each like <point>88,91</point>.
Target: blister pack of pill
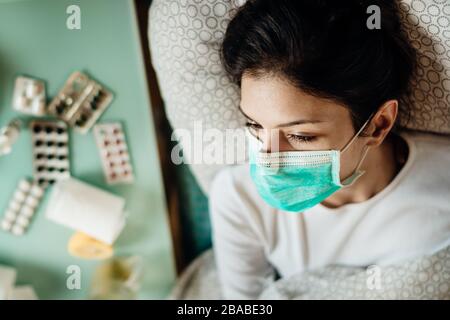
<point>114,154</point>
<point>51,160</point>
<point>29,96</point>
<point>22,207</point>
<point>80,102</point>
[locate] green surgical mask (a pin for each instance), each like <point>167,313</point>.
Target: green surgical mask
<point>298,180</point>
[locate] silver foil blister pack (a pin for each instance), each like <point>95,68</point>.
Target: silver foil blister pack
<point>51,160</point>
<point>80,102</point>
<point>114,154</point>
<point>22,207</point>
<point>29,96</point>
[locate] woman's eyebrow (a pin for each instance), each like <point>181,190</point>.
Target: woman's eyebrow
<point>283,125</point>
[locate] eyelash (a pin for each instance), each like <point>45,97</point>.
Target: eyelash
<point>291,137</point>
<point>253,125</point>
<point>298,138</point>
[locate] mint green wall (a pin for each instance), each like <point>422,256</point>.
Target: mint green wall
<point>34,41</point>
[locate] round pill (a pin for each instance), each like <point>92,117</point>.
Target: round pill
<point>10,215</point>
<point>18,230</point>
<point>37,191</point>
<point>27,211</point>
<point>23,221</point>
<point>59,109</point>
<point>14,205</point>
<point>6,225</point>
<point>24,185</point>
<point>37,128</point>
<point>31,201</point>
<point>19,195</point>
<point>68,101</point>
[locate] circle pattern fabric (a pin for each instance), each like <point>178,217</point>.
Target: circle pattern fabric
<point>427,24</point>
<point>185,38</point>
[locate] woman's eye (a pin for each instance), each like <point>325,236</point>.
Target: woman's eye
<point>253,125</point>
<point>254,129</point>
<point>300,138</point>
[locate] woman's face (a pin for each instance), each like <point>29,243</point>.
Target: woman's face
<point>280,114</point>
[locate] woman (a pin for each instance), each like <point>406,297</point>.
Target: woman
<point>329,181</point>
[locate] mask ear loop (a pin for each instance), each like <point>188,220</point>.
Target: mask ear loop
<point>357,134</point>
<point>357,173</point>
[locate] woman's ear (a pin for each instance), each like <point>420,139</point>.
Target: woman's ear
<point>382,123</point>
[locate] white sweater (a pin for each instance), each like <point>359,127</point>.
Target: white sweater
<point>410,217</point>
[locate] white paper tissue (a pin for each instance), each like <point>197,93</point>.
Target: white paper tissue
<point>88,209</point>
<point>7,280</point>
<point>23,293</point>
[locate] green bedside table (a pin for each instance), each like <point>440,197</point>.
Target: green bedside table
<point>35,41</point>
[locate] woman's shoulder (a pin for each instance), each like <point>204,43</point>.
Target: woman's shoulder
<point>426,148</point>
<point>427,141</point>
<point>428,164</point>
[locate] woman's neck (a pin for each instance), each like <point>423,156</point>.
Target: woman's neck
<point>381,165</point>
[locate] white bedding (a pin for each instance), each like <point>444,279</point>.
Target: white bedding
<point>427,277</point>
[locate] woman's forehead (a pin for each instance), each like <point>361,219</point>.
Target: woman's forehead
<point>275,101</point>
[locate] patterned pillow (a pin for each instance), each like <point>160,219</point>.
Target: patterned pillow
<point>427,24</point>
<point>185,37</point>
